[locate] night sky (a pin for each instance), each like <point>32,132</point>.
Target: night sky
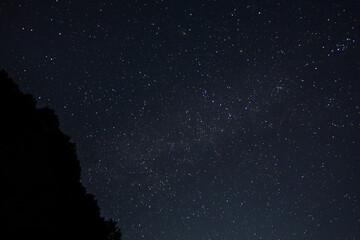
<point>202,120</point>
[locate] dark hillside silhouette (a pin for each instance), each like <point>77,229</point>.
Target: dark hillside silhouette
<point>41,192</point>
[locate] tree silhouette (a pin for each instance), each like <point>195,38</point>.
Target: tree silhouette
<point>42,195</point>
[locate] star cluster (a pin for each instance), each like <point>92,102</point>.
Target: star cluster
<point>202,119</point>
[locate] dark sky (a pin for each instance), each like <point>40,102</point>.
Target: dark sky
<point>202,120</point>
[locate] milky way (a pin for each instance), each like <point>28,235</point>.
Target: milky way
<point>202,119</point>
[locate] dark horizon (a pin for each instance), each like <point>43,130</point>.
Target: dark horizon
<point>202,119</point>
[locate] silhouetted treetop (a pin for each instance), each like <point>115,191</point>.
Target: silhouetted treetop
<point>40,175</point>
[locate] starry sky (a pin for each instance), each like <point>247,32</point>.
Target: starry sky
<point>202,120</point>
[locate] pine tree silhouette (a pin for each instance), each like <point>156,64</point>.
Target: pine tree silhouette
<point>42,195</point>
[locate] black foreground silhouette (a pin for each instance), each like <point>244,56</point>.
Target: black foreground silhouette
<point>42,195</point>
